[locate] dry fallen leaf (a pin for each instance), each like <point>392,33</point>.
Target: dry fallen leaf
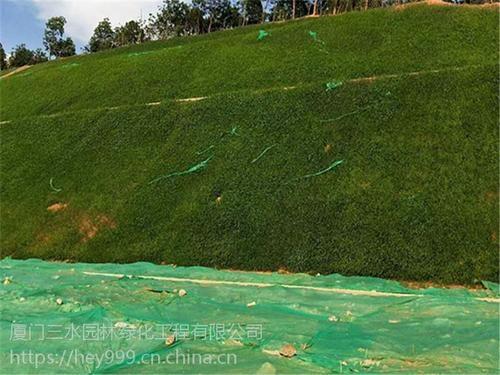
<point>288,351</point>
<point>170,340</point>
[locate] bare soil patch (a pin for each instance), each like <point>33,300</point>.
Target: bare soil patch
<point>56,207</point>
<point>18,70</point>
<point>89,227</point>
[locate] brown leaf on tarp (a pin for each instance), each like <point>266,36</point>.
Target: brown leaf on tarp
<point>170,340</point>
<point>288,351</point>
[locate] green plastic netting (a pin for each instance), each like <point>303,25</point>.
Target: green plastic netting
<point>70,65</point>
<point>331,167</point>
<point>134,54</point>
<point>314,35</point>
<point>330,86</point>
<point>262,35</point>
<point>70,315</point>
<point>193,169</point>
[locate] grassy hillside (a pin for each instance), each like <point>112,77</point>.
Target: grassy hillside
<point>415,197</point>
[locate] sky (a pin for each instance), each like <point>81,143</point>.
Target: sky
<point>23,21</point>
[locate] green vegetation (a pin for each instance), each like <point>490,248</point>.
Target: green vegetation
<point>53,38</point>
<point>414,198</point>
<point>21,56</point>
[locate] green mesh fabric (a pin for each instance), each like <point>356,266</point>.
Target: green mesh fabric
<point>193,169</point>
<point>330,86</point>
<point>335,324</point>
<point>262,34</point>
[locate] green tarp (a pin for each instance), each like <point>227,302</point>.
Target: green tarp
<point>145,318</point>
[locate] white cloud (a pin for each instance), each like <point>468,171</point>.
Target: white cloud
<point>82,16</point>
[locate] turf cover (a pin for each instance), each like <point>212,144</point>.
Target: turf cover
<point>220,150</point>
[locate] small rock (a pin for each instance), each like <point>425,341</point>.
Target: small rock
<point>123,325</point>
<point>370,363</point>
<point>22,299</point>
<point>288,351</point>
<point>170,340</point>
<point>267,368</point>
<point>271,352</point>
<point>251,304</point>
<point>59,301</point>
<point>182,292</point>
<point>333,318</point>
<point>305,346</point>
<point>233,342</point>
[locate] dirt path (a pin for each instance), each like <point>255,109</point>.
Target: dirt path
<point>261,90</point>
<point>18,70</point>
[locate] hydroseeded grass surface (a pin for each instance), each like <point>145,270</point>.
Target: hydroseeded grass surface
<point>414,198</point>
<point>382,41</point>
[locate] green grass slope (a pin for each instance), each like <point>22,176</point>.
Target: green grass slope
<point>415,197</point>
